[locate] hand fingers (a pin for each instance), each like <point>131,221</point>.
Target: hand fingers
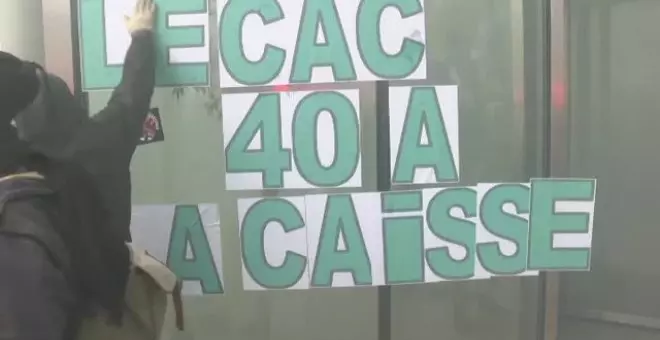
<point>140,6</point>
<point>137,7</point>
<point>147,5</point>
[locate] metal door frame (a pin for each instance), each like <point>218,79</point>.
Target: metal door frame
<point>557,139</point>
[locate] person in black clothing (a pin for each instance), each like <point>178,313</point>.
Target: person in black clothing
<point>65,192</point>
<point>57,126</point>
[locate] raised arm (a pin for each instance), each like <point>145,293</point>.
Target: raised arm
<point>115,130</point>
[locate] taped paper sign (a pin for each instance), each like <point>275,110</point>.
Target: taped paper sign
<point>430,235</point>
<point>187,239</point>
<point>183,54</point>
<point>262,42</point>
<point>424,134</point>
<point>312,139</point>
<point>304,140</point>
<point>270,42</point>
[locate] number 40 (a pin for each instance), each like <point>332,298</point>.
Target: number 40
<point>272,159</point>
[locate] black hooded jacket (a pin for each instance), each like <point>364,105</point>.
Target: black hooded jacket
<point>84,158</point>
<point>57,126</point>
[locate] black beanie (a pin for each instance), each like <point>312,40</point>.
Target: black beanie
<point>19,86</point>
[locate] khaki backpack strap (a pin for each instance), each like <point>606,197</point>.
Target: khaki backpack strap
<point>178,305</point>
<point>161,276</point>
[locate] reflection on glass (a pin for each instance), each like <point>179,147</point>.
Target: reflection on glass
<point>478,46</point>
<point>614,120</point>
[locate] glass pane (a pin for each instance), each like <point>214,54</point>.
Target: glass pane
<point>614,136</point>
<point>476,44</point>
<point>188,167</point>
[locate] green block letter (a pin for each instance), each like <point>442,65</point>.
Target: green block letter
<point>403,237</point>
<point>458,231</point>
<point>244,71</point>
<point>424,116</point>
<point>505,225</point>
<point>347,139</point>
<point>340,220</point>
<point>271,160</point>
<point>545,221</point>
<point>321,16</point>
<point>253,228</point>
<point>188,236</point>
<point>99,73</point>
<point>379,62</point>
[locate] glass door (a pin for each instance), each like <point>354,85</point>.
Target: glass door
<point>496,52</point>
<point>612,133</point>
